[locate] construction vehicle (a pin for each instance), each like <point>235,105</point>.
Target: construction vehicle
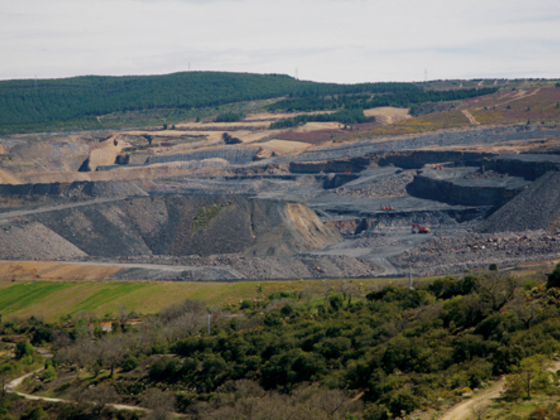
<point>418,228</point>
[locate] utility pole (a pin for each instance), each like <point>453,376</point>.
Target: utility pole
<point>410,286</point>
<point>208,324</point>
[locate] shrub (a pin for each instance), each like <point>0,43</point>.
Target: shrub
<point>49,374</point>
<point>247,304</point>
<point>554,277</point>
<point>230,117</point>
<point>130,362</point>
<point>24,348</point>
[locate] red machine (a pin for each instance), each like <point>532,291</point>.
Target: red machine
<point>418,228</point>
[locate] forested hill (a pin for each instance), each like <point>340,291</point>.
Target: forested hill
<point>57,100</point>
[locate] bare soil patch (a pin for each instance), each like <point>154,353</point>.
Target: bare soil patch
<point>388,114</point>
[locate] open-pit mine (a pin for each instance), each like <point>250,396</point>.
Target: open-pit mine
<point>182,204</point>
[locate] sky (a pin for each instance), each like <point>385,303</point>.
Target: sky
<point>342,41</point>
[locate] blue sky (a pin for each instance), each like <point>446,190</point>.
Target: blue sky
<point>345,41</point>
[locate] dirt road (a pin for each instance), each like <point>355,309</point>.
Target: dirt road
<point>470,117</point>
<point>463,410</point>
<point>5,217</point>
<point>12,386</point>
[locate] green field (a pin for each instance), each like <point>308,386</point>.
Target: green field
<point>53,299</point>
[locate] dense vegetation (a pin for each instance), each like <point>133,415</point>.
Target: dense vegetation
<point>398,349</point>
<point>59,100</point>
<point>405,97</point>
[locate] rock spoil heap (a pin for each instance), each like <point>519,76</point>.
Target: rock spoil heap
<point>537,207</point>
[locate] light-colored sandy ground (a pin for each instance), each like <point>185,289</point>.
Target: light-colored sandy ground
<point>251,137</point>
<point>106,152</point>
<point>40,270</point>
<point>282,148</point>
<point>8,178</point>
<point>464,410</point>
<point>124,173</point>
<point>276,116</point>
<point>318,126</point>
<point>388,114</point>
<point>202,126</point>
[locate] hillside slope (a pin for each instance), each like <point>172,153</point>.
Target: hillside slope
<point>59,100</point>
<point>176,226</point>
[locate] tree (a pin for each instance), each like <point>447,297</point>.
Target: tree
<point>159,402</point>
<point>35,413</point>
<point>479,411</point>
<point>113,352</point>
<point>5,371</point>
<point>335,404</point>
<point>513,389</point>
<point>527,310</point>
<point>554,278</point>
<point>100,396</point>
<point>348,289</point>
<point>24,348</point>
<point>529,370</point>
<point>123,317</point>
<point>496,290</point>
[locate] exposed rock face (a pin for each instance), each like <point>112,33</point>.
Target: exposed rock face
<point>74,189</point>
<point>537,207</point>
<point>192,225</point>
<point>528,166</point>
<point>235,156</point>
<point>416,159</point>
<point>352,165</point>
<point>452,186</point>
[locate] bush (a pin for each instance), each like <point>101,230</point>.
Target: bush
<point>130,362</point>
<point>514,389</point>
<point>35,413</point>
<point>24,348</point>
<point>230,117</point>
<point>405,402</point>
<point>228,139</point>
<point>49,374</point>
<point>247,304</point>
<point>554,277</point>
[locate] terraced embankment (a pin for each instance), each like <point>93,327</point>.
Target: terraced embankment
<point>176,226</point>
<point>453,186</point>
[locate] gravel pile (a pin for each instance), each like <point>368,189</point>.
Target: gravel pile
<point>392,186</point>
<point>481,174</point>
<point>537,207</point>
<point>237,266</point>
<point>475,250</point>
<point>34,241</point>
